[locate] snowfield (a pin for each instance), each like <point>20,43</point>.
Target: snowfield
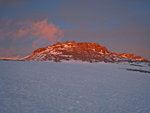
<point>70,87</point>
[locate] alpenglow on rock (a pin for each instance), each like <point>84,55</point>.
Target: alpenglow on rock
<point>90,52</point>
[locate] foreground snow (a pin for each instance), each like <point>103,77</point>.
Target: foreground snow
<point>46,87</point>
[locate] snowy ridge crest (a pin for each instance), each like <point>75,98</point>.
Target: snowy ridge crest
<point>83,51</point>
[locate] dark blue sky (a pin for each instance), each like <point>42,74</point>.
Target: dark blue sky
<point>120,25</point>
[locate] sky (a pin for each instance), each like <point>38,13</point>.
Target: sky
<point>122,26</point>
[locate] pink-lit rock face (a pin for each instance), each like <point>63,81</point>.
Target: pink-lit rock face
<point>83,51</point>
<point>132,56</point>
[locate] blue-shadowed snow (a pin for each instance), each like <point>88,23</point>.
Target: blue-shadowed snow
<point>47,87</point>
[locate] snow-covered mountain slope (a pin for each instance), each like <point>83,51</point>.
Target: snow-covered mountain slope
<point>90,52</point>
<point>79,87</point>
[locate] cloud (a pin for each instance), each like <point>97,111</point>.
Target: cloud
<point>44,30</point>
<point>31,34</point>
<point>40,31</point>
<point>9,52</point>
<point>20,33</point>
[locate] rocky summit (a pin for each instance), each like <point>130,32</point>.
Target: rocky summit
<point>83,51</point>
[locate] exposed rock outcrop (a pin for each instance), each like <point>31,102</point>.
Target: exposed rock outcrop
<point>90,52</point>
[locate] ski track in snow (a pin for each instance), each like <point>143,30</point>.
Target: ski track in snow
<point>73,87</point>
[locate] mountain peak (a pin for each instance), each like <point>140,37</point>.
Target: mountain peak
<point>83,51</point>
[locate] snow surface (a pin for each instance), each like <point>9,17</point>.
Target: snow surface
<point>48,87</point>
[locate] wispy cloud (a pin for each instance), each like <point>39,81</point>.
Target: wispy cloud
<point>39,32</point>
<point>9,52</point>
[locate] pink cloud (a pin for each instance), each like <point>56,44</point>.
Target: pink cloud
<point>44,30</point>
<point>7,52</point>
<point>38,42</point>
<point>40,33</point>
<point>21,32</point>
